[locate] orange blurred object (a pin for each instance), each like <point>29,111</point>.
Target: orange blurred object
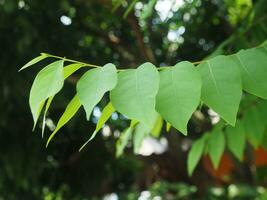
<point>227,165</point>
<point>260,156</point>
<point>224,170</point>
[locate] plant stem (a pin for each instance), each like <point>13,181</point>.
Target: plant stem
<point>70,60</point>
<point>97,66</point>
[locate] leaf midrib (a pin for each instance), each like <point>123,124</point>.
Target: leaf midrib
<point>213,78</point>
<point>174,88</point>
<point>48,89</point>
<point>138,94</point>
<point>248,73</point>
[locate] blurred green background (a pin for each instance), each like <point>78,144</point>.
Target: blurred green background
<point>163,32</point>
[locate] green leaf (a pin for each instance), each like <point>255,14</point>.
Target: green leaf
<point>179,94</point>
<point>219,126</point>
<point>206,137</point>
<point>140,133</point>
<point>147,11</point>
<point>254,126</point>
<point>94,84</point>
<point>216,145</point>
<point>34,61</point>
<point>222,87</point>
<point>195,154</point>
<point>262,107</point>
<point>264,141</point>
<point>156,130</point>
<point>252,64</point>
<point>39,112</point>
<point>48,103</point>
<point>68,70</point>
<point>135,94</point>
<point>124,139</point>
<point>47,83</point>
<point>236,139</point>
<point>69,112</point>
<point>168,127</point>
<point>130,8</point>
<point>107,112</point>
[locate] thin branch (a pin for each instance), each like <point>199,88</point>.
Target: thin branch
<point>97,66</point>
<point>70,60</point>
<point>122,68</point>
<point>145,49</point>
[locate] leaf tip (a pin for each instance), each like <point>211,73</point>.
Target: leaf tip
<point>190,172</point>
<point>82,147</point>
<point>50,138</point>
<point>34,126</point>
<point>47,143</point>
<point>184,132</point>
<point>232,122</point>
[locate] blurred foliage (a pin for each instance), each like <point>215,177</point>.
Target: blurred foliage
<point>175,191</point>
<point>89,31</point>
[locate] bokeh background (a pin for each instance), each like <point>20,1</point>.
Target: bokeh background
<point>163,32</point>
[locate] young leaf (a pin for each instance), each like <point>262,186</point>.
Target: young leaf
<point>34,61</point>
<point>216,145</point>
<point>48,103</point>
<point>222,87</point>
<point>68,70</point>
<point>94,84</point>
<point>107,112</point>
<point>155,132</point>
<point>236,139</point>
<point>69,112</point>
<point>252,64</point>
<point>254,126</point>
<point>135,94</point>
<point>140,133</point>
<point>195,154</point>
<point>124,139</point>
<point>47,83</point>
<point>168,127</point>
<point>179,94</point>
<point>39,112</point>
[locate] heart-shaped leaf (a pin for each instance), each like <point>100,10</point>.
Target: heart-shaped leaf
<point>252,64</point>
<point>222,87</point>
<point>135,94</point>
<point>179,94</point>
<point>94,84</point>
